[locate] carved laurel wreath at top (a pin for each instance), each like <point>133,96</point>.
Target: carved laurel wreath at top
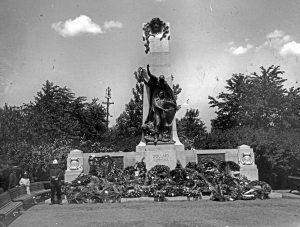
<point>147,32</point>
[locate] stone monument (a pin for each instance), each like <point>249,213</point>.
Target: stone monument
<point>74,165</point>
<point>247,162</point>
<point>160,143</point>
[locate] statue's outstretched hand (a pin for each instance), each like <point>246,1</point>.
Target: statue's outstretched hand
<point>148,66</point>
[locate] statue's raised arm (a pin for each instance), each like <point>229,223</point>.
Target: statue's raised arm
<point>150,74</point>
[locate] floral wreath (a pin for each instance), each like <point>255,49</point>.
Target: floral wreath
<point>148,33</point>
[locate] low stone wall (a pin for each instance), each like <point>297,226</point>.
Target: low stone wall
<point>243,155</point>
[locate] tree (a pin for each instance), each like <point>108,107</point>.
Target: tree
<point>92,120</point>
<point>11,119</point>
<point>265,99</point>
<point>230,108</point>
<point>191,130</point>
<point>12,133</point>
<point>130,121</point>
<point>290,109</point>
<point>55,113</point>
<point>176,90</point>
<point>256,101</point>
<point>52,114</point>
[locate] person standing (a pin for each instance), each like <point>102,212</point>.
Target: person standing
<point>91,162</point>
<point>55,182</point>
<point>25,182</point>
<point>13,179</point>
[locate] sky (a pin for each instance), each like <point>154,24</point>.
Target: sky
<point>90,45</point>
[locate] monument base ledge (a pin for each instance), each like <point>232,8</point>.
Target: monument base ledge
<point>71,175</point>
<point>250,171</point>
<point>167,155</point>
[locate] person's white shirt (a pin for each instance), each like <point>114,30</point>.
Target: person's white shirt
<point>25,182</point>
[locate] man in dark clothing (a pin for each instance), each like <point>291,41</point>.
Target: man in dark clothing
<point>13,179</point>
<point>55,182</point>
<point>91,162</point>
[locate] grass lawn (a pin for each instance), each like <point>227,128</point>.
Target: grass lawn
<point>204,213</point>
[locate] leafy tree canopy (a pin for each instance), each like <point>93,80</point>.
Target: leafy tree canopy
<point>258,101</point>
<point>55,113</point>
<point>191,130</point>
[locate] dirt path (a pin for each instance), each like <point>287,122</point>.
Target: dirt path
<point>265,213</point>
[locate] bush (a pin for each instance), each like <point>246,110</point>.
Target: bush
<point>277,153</point>
<point>37,160</point>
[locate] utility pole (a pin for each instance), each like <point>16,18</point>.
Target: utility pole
<point>108,97</point>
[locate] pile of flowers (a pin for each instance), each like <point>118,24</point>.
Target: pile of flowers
<point>221,181</point>
<point>91,189</point>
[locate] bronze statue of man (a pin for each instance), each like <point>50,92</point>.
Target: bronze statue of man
<point>160,118</point>
<point>162,104</point>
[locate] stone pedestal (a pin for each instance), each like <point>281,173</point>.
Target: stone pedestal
<point>250,171</point>
<point>71,175</point>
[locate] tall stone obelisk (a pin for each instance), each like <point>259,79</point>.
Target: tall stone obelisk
<point>157,55</point>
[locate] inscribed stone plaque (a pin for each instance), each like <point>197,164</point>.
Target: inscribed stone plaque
<point>154,158</point>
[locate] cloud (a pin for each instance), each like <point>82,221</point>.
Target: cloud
<point>112,24</point>
<point>159,0</point>
<point>290,48</point>
<point>277,42</point>
<point>275,34</point>
<point>83,25</point>
<point>285,44</point>
<point>240,50</point>
<point>230,43</point>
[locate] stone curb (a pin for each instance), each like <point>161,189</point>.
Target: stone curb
<point>151,199</point>
<point>278,194</point>
<point>287,195</point>
<point>275,195</point>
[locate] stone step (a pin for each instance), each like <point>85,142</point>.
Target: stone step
<point>151,199</point>
<point>275,195</point>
